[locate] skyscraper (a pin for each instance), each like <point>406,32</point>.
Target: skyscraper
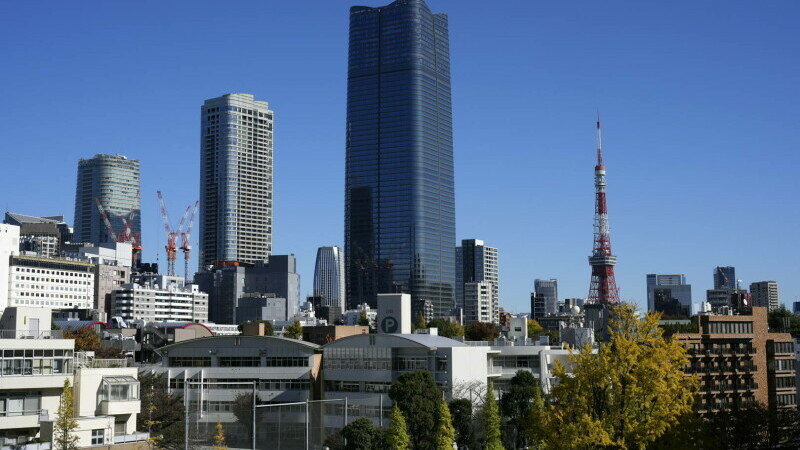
<point>548,289</point>
<point>670,295</point>
<point>603,288</point>
<point>399,193</point>
<point>475,263</point>
<point>329,281</point>
<point>235,180</point>
<point>725,278</point>
<point>114,181</point>
<point>765,293</point>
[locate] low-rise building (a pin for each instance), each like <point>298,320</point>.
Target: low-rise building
<point>322,334</point>
<point>160,298</point>
<point>50,283</point>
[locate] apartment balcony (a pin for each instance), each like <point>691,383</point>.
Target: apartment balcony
<point>22,419</point>
<point>140,436</point>
<point>115,407</point>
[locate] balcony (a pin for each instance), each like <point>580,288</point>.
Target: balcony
<point>22,419</point>
<point>115,407</point>
<point>119,395</point>
<point>133,437</point>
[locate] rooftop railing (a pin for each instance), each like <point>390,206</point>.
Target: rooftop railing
<point>29,334</point>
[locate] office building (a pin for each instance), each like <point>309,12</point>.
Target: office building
<point>228,282</point>
<point>160,298</point>
<point>261,307</point>
<point>670,295</point>
<point>399,191</point>
<point>725,278</point>
<point>765,294</point>
<point>538,302</point>
<point>549,290</point>
<point>235,180</point>
<point>50,283</point>
<point>739,362</point>
<point>114,181</point>
<point>329,281</point>
<point>479,303</point>
<point>718,298</point>
<point>476,262</point>
<point>41,236</point>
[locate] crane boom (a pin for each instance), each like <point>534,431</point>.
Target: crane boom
<point>111,234</point>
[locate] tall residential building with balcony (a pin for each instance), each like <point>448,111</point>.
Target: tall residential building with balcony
<point>476,262</point>
<point>114,180</point>
<point>765,293</point>
<point>160,298</point>
<point>479,305</point>
<point>35,361</point>
<point>739,362</point>
<point>329,281</point>
<point>670,295</point>
<point>236,153</point>
<point>399,185</point>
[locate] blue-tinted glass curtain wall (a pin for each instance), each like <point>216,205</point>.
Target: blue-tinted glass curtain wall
<point>399,199</point>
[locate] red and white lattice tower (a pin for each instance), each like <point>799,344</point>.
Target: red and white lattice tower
<point>603,289</point>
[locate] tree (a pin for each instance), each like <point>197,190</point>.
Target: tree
<point>64,437</point>
<point>360,435</point>
<point>86,340</point>
<point>219,438</point>
<point>397,437</point>
<point>782,320</point>
<point>420,322</point>
<point>517,405</point>
<point>534,329</point>
<point>294,331</point>
<point>362,319</point>
<point>461,413</point>
<point>447,328</point>
<point>491,422</point>
<point>162,413</point>
<point>626,395</point>
<point>447,434</point>
<point>242,408</point>
<point>418,397</point>
<point>481,331</point>
<point>269,330</point>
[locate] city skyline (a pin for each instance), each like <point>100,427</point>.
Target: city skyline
<point>740,135</point>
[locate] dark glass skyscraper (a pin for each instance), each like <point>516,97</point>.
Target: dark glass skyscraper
<point>399,194</point>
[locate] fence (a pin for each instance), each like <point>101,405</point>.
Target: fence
<point>285,425</point>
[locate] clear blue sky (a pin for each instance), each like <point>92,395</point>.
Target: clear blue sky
<point>700,104</point>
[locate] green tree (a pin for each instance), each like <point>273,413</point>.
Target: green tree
<point>360,435</point>
<point>624,396</point>
<point>219,437</point>
<point>491,421</point>
<point>362,319</point>
<point>420,322</point>
<point>481,331</point>
<point>418,397</point>
<point>64,437</point>
<point>162,412</point>
<point>447,328</point>
<point>517,405</point>
<point>447,434</point>
<point>397,437</point>
<point>242,408</point>
<point>782,320</point>
<point>461,413</point>
<point>294,331</point>
<point>534,329</point>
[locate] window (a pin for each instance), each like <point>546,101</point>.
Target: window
<point>287,361</point>
<point>730,327</point>
<point>98,437</point>
<point>190,361</point>
<point>239,361</point>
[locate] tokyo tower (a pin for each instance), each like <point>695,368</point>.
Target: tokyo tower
<point>603,289</point>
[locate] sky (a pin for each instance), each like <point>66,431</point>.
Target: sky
<point>699,104</point>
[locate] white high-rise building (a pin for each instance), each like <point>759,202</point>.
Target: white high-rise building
<point>329,277</point>
<point>9,245</point>
<point>765,293</point>
<point>235,180</point>
<point>476,262</point>
<point>50,283</point>
<point>479,305</point>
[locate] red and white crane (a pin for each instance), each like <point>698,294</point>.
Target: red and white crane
<point>185,242</point>
<point>173,234</point>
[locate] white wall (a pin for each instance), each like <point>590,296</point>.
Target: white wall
<point>9,245</point>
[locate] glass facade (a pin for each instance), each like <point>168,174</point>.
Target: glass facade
<point>399,194</point>
<point>114,180</point>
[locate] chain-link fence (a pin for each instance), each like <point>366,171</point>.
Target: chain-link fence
<point>278,424</point>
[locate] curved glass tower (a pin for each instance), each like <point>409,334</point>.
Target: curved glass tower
<point>329,277</point>
<point>399,194</point>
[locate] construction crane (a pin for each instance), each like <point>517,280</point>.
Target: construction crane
<point>172,234</point>
<point>134,238</point>
<point>185,242</point>
<point>106,222</point>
